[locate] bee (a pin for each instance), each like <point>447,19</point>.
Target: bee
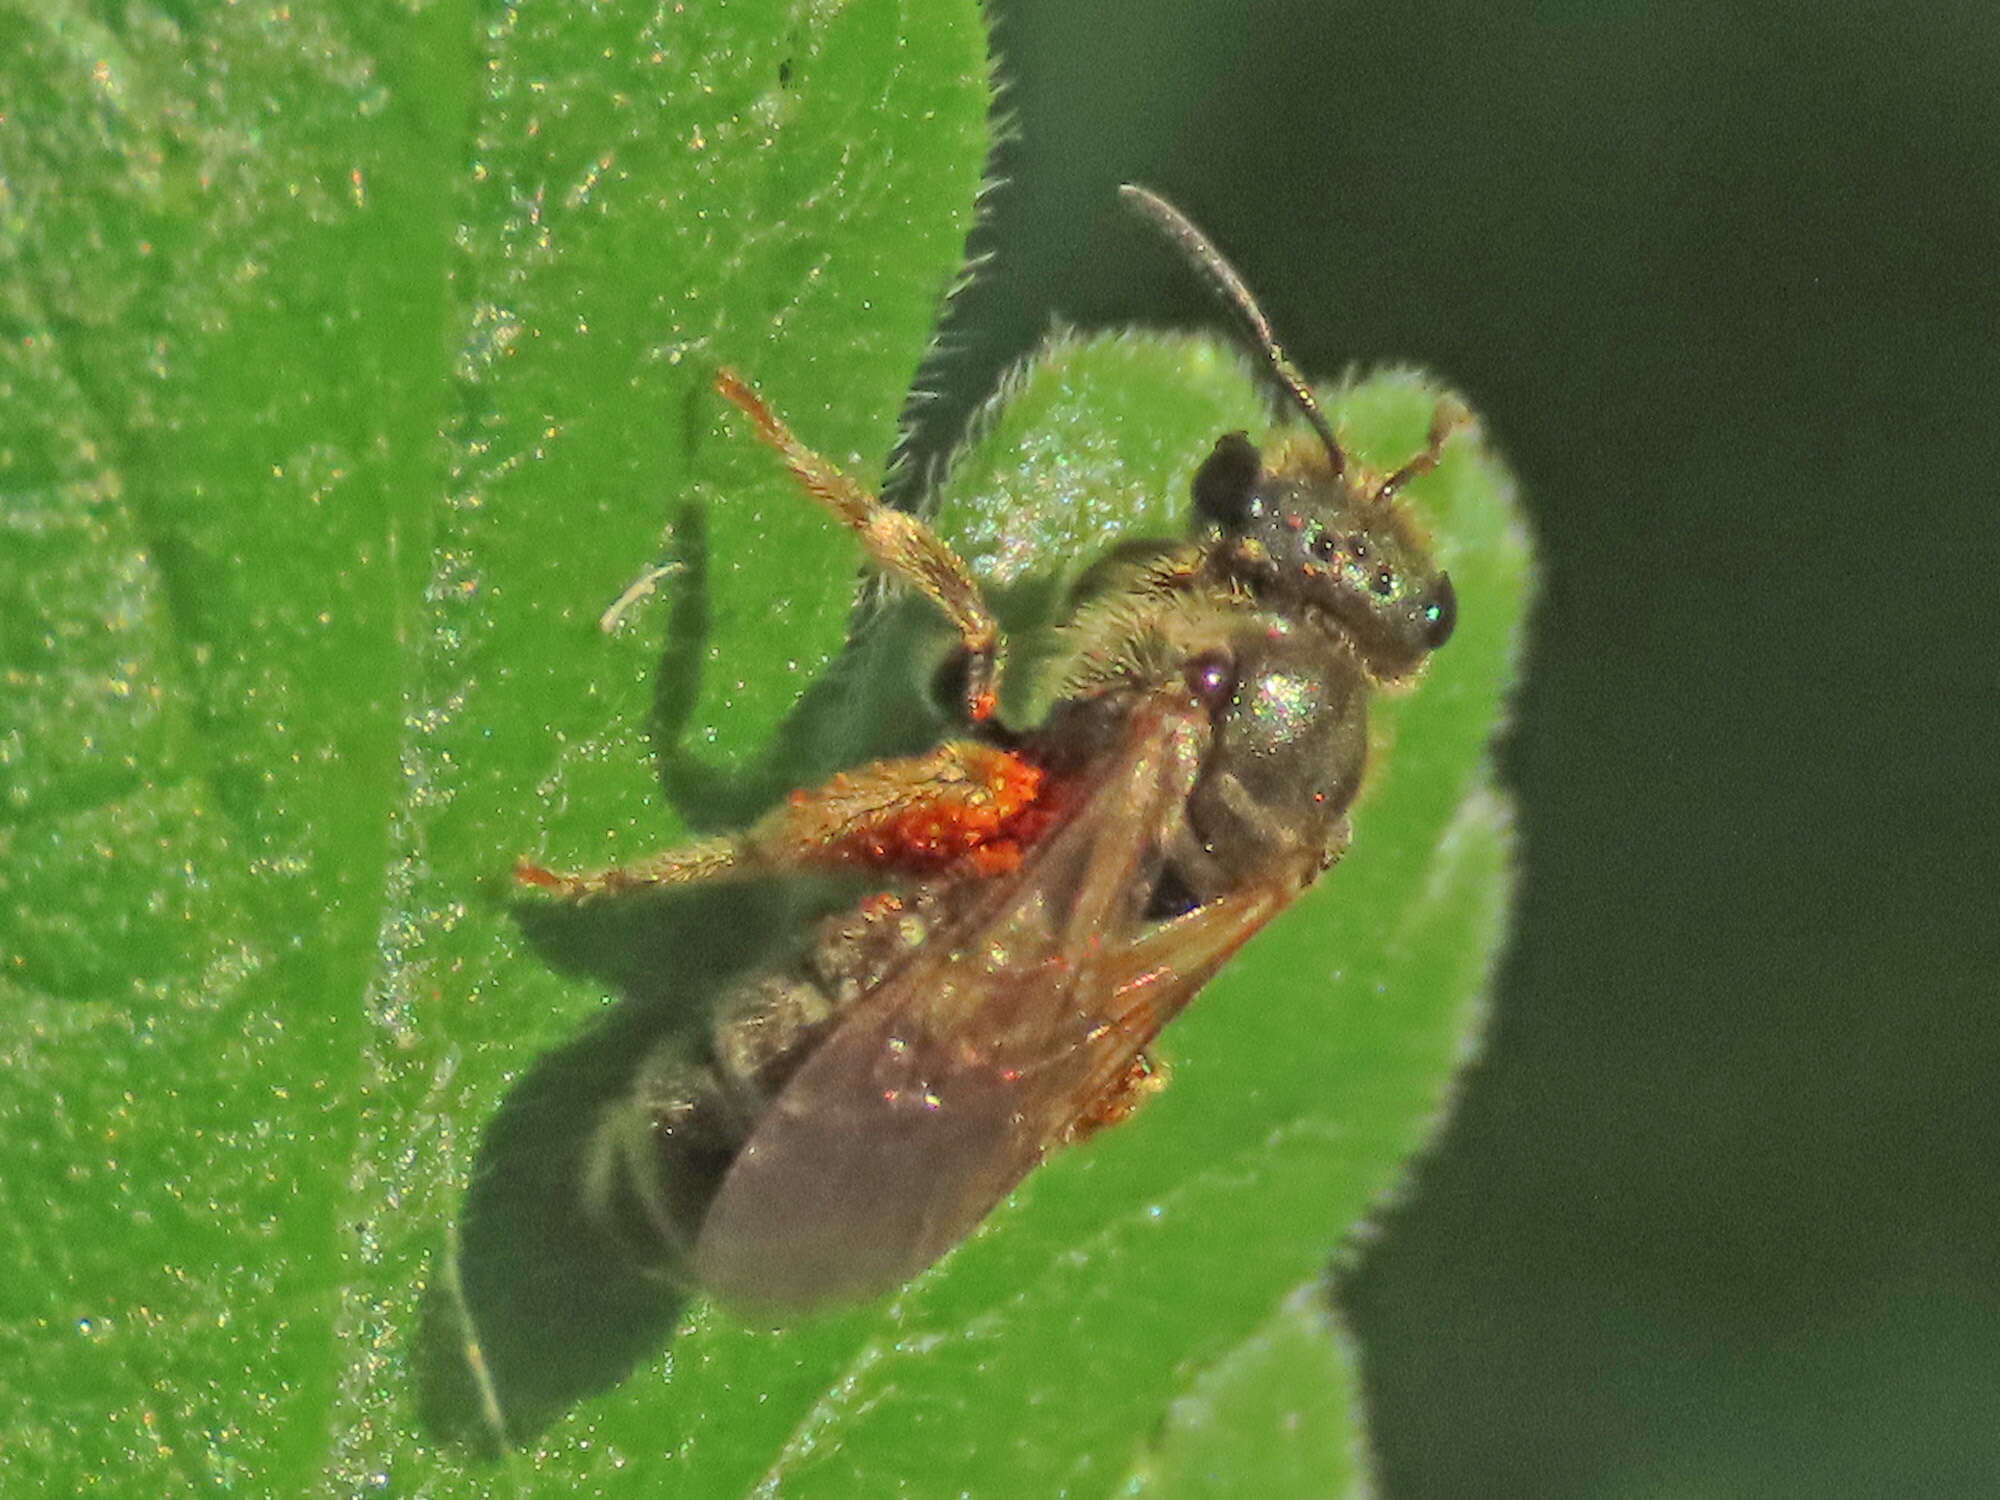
<point>1044,897</point>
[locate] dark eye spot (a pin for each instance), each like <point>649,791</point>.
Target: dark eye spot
<point>1357,548</point>
<point>1385,582</point>
<point>1225,486</point>
<point>1324,546</point>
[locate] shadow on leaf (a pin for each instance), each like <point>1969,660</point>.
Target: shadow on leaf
<point>549,1307</point>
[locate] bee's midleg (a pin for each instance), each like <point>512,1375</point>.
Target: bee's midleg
<point>896,540</point>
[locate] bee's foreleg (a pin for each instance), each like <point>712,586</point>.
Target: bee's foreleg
<point>1447,417</point>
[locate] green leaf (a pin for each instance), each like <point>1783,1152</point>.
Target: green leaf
<point>354,362</point>
<point>354,368</point>
<point>1280,1414</point>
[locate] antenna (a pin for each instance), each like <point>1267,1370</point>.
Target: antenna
<point>1200,252</point>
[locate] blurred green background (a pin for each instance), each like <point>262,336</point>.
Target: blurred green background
<point>1718,1213</point>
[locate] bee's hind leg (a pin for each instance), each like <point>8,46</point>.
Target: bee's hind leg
<point>691,864</point>
<point>956,805</point>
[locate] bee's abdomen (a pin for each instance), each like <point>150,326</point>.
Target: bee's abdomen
<point>660,1153</point>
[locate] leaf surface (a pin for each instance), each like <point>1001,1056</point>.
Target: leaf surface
<point>356,361</point>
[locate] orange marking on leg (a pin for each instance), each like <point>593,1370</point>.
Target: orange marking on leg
<point>943,821</point>
<point>1002,857</point>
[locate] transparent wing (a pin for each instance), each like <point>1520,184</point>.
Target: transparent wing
<point>944,1087</point>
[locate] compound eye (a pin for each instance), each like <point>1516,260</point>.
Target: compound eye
<point>1226,482</point>
<point>1440,612</point>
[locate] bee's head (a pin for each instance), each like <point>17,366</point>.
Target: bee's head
<point>1305,531</point>
<point>1311,530</point>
